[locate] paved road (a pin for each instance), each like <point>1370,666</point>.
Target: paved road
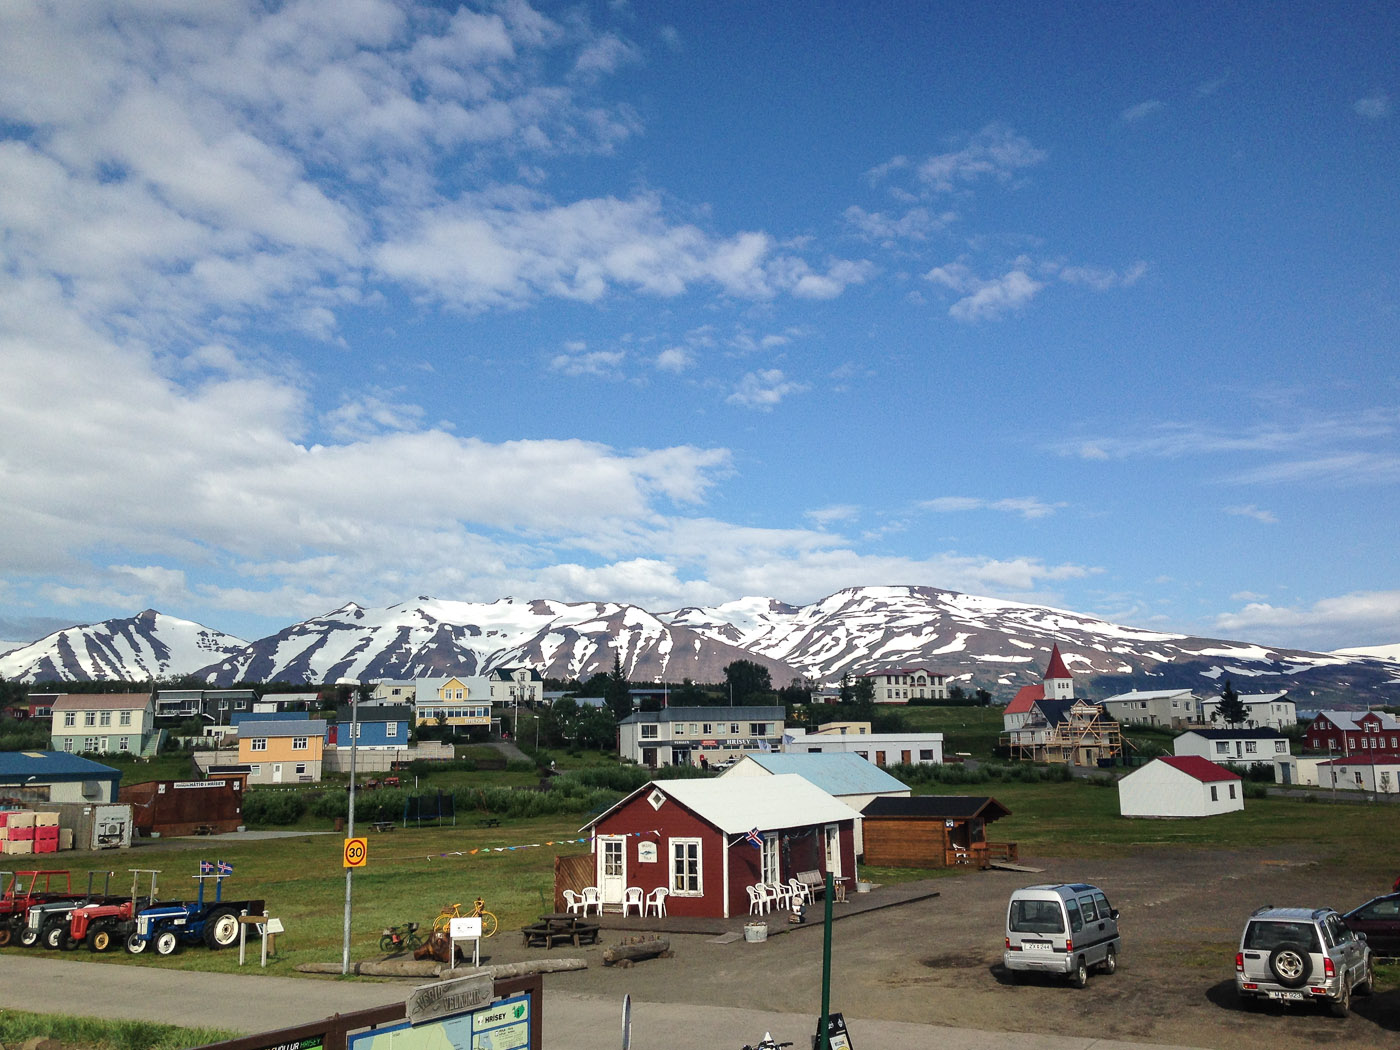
<point>251,1002</point>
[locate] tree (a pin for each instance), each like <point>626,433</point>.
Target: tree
<point>863,692</point>
<point>745,680</point>
<point>618,691</point>
<point>1232,710</point>
<point>984,698</point>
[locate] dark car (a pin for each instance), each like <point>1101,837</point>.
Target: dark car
<point>1379,920</point>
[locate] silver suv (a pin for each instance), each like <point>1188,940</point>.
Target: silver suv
<point>1298,955</point>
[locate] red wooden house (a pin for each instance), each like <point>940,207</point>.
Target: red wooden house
<point>1353,732</point>
<point>706,841</point>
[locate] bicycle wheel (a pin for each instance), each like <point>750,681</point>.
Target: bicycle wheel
<point>488,924</point>
<point>386,943</point>
<point>414,942</point>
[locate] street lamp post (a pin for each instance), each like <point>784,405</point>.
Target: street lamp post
<point>350,825</point>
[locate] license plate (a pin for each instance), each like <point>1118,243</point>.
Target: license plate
<point>1287,995</point>
<point>1036,946</point>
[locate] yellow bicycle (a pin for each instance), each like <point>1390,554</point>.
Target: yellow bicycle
<point>454,911</point>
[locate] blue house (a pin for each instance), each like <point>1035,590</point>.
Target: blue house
<point>381,727</point>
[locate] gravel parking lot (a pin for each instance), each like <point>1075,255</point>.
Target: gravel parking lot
<point>937,961</point>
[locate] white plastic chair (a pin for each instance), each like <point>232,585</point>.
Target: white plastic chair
<point>800,893</point>
<point>960,854</point>
<point>780,894</point>
<point>758,901</point>
<point>632,898</point>
<point>592,898</point>
<point>573,903</point>
<point>656,902</point>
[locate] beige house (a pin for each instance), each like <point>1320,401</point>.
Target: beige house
<point>457,701</point>
<point>105,723</point>
<point>899,685</point>
<point>1176,708</point>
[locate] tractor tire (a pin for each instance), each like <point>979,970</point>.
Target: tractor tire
<point>67,941</point>
<point>166,942</point>
<point>28,938</point>
<point>51,936</point>
<point>136,944</point>
<point>221,929</point>
<point>6,935</point>
<point>99,939</point>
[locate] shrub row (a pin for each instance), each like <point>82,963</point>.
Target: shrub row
<point>989,773</point>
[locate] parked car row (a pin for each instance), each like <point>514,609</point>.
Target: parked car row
<point>56,918</point>
<point>1287,955</point>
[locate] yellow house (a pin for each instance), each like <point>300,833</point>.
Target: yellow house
<point>282,752</point>
<point>456,701</point>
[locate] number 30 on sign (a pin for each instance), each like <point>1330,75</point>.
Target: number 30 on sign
<point>356,853</point>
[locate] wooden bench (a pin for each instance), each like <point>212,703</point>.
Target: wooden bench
<point>383,825</point>
<point>815,882</point>
<point>489,822</point>
<point>204,829</point>
<point>559,929</point>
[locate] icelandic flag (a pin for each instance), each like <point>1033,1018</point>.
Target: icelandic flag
<point>225,868</point>
<point>206,867</point>
<point>754,838</point>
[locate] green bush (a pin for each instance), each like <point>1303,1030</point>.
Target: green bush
<point>273,808</point>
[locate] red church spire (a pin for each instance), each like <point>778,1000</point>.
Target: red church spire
<point>1057,667</point>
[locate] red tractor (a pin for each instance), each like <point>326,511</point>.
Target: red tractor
<point>105,925</point>
<point>24,889</point>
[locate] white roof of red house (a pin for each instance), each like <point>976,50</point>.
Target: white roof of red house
<point>1202,769</point>
<point>1057,668</point>
<point>1025,699</point>
<point>738,804</point>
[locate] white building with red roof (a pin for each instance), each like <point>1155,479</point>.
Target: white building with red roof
<point>1180,786</point>
<point>1055,684</point>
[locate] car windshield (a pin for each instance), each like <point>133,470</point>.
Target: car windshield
<point>1265,936</point>
<point>1037,917</point>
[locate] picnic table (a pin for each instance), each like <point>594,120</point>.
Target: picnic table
<point>489,822</point>
<point>382,825</point>
<point>560,928</point>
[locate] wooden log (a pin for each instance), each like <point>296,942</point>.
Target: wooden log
<point>630,951</point>
<point>430,968</point>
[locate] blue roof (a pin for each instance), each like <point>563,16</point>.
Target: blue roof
<point>18,766</point>
<point>842,773</point>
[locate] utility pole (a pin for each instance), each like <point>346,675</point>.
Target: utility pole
<point>350,828</point>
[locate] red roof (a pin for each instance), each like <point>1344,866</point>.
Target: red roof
<point>1025,699</point>
<point>1199,768</point>
<point>1057,667</point>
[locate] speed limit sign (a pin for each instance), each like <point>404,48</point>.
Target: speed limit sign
<point>356,853</point>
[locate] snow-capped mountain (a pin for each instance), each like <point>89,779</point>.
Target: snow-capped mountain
<point>431,637</point>
<point>133,649</point>
<point>982,642</point>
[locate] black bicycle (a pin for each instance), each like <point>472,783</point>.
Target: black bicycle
<point>403,937</point>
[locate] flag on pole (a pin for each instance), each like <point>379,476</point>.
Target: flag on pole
<point>225,868</point>
<point>206,867</point>
<point>754,838</point>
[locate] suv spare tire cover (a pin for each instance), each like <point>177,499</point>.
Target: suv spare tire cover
<point>1291,964</point>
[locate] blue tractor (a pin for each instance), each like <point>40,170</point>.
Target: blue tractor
<point>215,923</point>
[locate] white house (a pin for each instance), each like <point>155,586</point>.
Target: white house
<point>682,736</point>
<point>1242,746</point>
<point>1296,769</point>
<point>846,777</point>
<point>1374,773</point>
<point>1180,786</point>
<point>1154,707</point>
<point>884,749</point>
<point>1262,711</point>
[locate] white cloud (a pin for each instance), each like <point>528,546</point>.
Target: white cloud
<point>675,359</point>
<point>1028,507</point>
<point>1359,618</point>
<point>985,300</point>
<point>1373,107</point>
<point>996,152</point>
<point>1249,510</point>
<point>1138,112</point>
<point>602,363</point>
<point>914,224</point>
<point>824,516</point>
<point>764,389</point>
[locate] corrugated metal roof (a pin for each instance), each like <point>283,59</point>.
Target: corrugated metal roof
<point>283,727</point>
<point>1202,769</point>
<point>739,804</point>
<point>843,773</point>
<point>938,807</point>
<point>17,766</point>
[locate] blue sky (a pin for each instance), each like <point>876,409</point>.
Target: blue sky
<point>1093,305</point>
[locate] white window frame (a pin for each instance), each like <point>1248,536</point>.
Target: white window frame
<point>769,866</point>
<point>299,743</point>
<point>124,718</point>
<point>257,743</point>
<point>674,848</point>
<point>70,719</point>
<point>391,730</point>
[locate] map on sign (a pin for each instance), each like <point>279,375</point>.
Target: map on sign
<point>504,1025</point>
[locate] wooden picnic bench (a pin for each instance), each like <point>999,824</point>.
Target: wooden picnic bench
<point>204,829</point>
<point>815,882</point>
<point>382,825</point>
<point>560,929</point>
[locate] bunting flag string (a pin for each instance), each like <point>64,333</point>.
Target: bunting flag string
<point>485,850</point>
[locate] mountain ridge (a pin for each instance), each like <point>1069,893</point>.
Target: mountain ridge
<point>994,643</point>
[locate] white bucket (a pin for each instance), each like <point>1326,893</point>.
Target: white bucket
<point>755,931</point>
<point>863,887</point>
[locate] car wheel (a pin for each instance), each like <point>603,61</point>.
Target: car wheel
<point>1341,1006</point>
<point>1368,979</point>
<point>166,942</point>
<point>221,930</point>
<point>136,944</point>
<point>1080,976</point>
<point>1291,965</point>
<point>1110,961</point>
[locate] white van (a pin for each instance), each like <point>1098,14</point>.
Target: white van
<point>1062,929</point>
